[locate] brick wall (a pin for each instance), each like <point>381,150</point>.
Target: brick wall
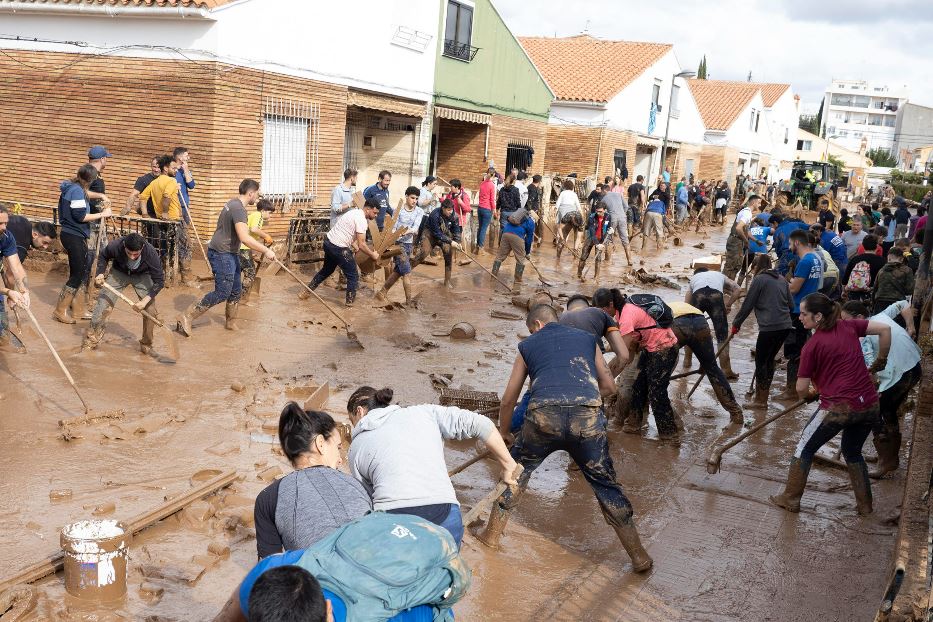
<point>715,163</point>
<point>54,108</point>
<point>460,148</point>
<point>571,149</point>
<point>613,140</point>
<point>504,130</point>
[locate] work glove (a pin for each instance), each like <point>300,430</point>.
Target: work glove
<point>99,280</point>
<point>734,330</point>
<point>600,247</point>
<point>610,231</point>
<point>456,245</point>
<point>270,254</point>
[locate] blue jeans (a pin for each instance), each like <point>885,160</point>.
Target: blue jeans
<point>485,217</point>
<point>581,432</point>
<point>403,261</point>
<point>454,523</point>
<point>681,212</point>
<point>334,257</point>
<point>227,286</point>
<point>3,318</point>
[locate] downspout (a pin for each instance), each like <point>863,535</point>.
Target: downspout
<point>486,145</point>
<point>104,10</point>
<point>599,150</point>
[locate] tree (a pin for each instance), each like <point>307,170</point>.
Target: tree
<point>810,123</point>
<point>881,157</point>
<point>837,162</point>
<point>701,70</point>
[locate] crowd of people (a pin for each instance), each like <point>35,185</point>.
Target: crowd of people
<point>835,295</point>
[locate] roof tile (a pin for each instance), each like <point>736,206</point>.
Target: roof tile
<point>771,92</point>
<point>584,68</point>
<point>720,102</point>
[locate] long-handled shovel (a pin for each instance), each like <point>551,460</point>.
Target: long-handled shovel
<point>488,271</point>
<point>715,457</point>
<point>477,509</point>
<point>722,347</point>
<point>58,359</point>
<point>560,241</point>
<point>540,276</point>
<point>169,335</point>
<point>184,204</point>
<point>352,336</point>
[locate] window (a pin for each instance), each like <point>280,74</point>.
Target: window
<point>757,119</point>
<point>620,161</point>
<point>841,100</point>
<point>843,133</point>
<point>689,166</point>
<point>656,95</point>
<point>804,145</point>
<point>831,130</point>
<point>889,121</point>
<point>458,32</point>
<point>753,120</point>
<point>675,95</point>
<point>519,154</point>
<point>289,147</point>
<point>786,135</point>
<point>874,119</point>
<point>861,101</point>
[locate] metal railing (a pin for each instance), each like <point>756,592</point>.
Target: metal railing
<point>306,233</point>
<point>460,51</point>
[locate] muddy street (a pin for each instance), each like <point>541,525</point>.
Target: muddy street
<point>722,552</point>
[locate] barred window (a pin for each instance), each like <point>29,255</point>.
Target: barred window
<point>289,147</point>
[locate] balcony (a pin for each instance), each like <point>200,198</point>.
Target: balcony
<point>460,51</point>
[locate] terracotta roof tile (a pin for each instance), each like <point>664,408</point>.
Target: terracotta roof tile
<point>583,68</point>
<point>721,102</point>
<point>204,4</point>
<point>771,92</point>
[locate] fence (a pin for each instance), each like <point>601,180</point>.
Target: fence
<point>306,233</point>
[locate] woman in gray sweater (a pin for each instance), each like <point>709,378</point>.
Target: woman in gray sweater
<point>769,296</point>
<point>309,503</point>
<point>398,454</point>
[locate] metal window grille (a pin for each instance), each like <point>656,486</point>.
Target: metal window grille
<point>519,154</point>
<point>291,131</point>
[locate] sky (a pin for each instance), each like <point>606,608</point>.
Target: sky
<point>800,42</point>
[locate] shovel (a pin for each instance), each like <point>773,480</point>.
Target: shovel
<point>572,250</point>
<point>350,334</point>
<point>58,359</point>
<point>540,276</point>
<point>488,271</point>
<point>169,335</point>
<point>715,457</point>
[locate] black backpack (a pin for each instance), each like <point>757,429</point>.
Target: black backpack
<point>659,310</point>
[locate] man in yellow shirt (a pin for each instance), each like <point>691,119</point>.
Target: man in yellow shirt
<point>693,331</point>
<point>255,221</point>
<point>164,191</point>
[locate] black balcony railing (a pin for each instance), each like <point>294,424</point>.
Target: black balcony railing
<point>461,51</point>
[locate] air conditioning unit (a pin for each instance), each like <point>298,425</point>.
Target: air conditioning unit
<point>369,142</point>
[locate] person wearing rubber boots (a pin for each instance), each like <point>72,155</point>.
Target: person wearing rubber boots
<point>737,242</point>
<point>832,361</point>
<point>518,234</point>
<point>441,228</point>
<point>134,263</point>
<point>409,219</point>
<point>223,255</point>
<point>598,229</point>
<point>343,240</point>
<point>708,291</point>
<point>569,378</point>
<point>900,375</point>
<point>692,330</point>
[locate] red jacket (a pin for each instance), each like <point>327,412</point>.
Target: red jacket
<point>487,195</point>
<point>462,203</point>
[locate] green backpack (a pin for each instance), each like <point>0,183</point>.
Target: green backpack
<point>390,563</point>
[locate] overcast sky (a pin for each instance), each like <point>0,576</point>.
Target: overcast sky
<point>806,44</point>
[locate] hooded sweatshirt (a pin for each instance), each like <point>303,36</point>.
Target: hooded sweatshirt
<point>769,296</point>
<point>398,453</point>
<point>72,208</point>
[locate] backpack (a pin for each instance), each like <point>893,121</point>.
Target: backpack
<point>517,216</point>
<point>390,563</point>
<point>659,310</point>
<point>859,278</point>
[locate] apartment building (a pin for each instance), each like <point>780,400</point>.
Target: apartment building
<point>857,109</point>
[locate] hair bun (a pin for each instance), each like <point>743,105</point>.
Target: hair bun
<point>384,395</point>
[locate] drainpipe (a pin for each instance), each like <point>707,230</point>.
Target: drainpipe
<point>104,10</point>
<point>486,145</point>
<point>599,150</point>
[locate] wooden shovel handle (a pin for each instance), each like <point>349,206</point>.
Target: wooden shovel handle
<point>312,292</point>
<point>145,313</point>
<point>58,359</point>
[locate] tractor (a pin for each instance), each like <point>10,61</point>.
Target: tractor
<point>810,184</point>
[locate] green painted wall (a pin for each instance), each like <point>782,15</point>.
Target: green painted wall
<point>500,80</point>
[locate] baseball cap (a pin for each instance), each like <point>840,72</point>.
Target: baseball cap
<point>97,152</point>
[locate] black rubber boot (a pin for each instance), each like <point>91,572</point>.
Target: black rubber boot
<point>350,298</point>
<point>861,486</point>
<point>793,490</point>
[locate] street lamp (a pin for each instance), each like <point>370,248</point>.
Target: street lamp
<point>826,150</point>
<point>670,102</point>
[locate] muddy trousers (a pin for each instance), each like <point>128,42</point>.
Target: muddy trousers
<point>426,245</point>
<point>142,284</point>
<point>793,344</point>
<point>4,321</point>
<point>511,243</point>
<point>735,256</point>
<point>712,302</point>
<point>827,423</point>
<point>334,257</point>
<point>890,401</point>
<point>97,229</point>
<point>767,346</point>
<point>227,281</point>
<point>78,267</point>
<point>247,268</point>
<point>693,331</point>
<point>650,387</point>
<point>581,432</point>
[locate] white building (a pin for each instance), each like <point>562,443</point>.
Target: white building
<point>782,112</point>
<point>856,109</point>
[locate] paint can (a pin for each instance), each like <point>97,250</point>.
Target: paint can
<point>95,559</point>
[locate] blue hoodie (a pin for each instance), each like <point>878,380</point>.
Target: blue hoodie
<point>72,208</point>
<point>525,230</point>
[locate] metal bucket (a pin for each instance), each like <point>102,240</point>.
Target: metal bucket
<point>95,559</point>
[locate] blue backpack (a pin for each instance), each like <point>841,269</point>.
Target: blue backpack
<point>390,563</point>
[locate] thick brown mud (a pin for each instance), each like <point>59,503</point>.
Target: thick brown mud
<point>721,550</point>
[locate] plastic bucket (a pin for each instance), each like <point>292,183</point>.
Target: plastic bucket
<point>95,559</point>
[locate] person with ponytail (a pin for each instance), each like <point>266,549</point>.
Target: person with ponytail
<point>315,499</point>
<point>398,454</point>
<point>832,362</point>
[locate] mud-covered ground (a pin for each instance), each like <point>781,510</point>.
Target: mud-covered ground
<point>721,551</point>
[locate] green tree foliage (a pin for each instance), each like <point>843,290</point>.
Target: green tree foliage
<point>881,157</point>
<point>701,70</point>
<point>810,123</point>
<point>837,162</point>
